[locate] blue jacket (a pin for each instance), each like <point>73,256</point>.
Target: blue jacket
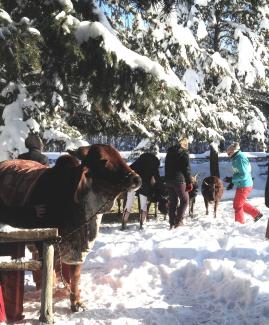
<point>241,170</point>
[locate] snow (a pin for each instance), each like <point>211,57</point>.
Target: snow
<point>86,29</point>
<point>191,68</point>
<point>192,81</point>
<point>210,271</point>
<point>5,16</point>
<point>67,4</point>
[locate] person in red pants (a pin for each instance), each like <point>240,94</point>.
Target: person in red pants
<point>3,316</point>
<point>244,184</point>
<point>12,284</point>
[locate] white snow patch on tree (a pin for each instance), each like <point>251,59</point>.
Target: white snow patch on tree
<point>192,81</point>
<point>5,16</point>
<point>111,43</point>
<point>201,30</point>
<point>224,86</point>
<point>256,127</point>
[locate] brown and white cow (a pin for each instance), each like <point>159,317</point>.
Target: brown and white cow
<point>75,196</point>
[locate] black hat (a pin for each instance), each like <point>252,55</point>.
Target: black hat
<point>33,141</point>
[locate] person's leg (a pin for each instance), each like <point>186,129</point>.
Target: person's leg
<point>172,205</point>
<point>143,209</point>
<point>127,209</point>
<point>239,201</point>
<point>184,202</point>
<point>12,283</point>
<point>250,209</point>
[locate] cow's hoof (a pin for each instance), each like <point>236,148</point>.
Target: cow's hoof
<point>78,306</point>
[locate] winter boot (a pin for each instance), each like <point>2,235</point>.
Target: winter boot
<point>143,216</point>
<point>125,217</point>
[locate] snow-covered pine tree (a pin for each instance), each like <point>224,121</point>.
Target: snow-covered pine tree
<point>80,83</point>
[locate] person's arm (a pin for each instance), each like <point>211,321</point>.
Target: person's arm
<point>186,170</point>
<point>156,172</point>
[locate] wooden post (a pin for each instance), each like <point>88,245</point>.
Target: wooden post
<point>214,162</point>
<point>46,312</point>
<point>267,230</point>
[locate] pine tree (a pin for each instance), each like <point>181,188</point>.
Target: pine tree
<point>81,88</point>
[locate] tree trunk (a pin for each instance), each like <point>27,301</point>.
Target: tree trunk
<point>214,162</point>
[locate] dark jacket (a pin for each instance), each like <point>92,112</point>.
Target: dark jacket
<point>177,165</point>
<point>36,155</point>
<point>147,165</point>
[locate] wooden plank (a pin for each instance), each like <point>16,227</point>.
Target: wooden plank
<point>37,234</point>
<point>17,264</point>
<point>46,311</point>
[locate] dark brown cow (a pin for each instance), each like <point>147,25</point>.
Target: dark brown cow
<point>74,195</point>
<point>212,191</point>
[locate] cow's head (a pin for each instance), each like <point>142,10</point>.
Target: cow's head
<point>105,176</point>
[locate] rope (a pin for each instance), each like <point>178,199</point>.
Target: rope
<point>68,235</point>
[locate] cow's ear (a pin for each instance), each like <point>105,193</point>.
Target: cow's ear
<point>84,185</point>
<point>81,153</point>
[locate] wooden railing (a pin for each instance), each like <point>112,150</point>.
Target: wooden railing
<point>26,236</point>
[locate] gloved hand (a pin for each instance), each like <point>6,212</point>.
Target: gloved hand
<point>230,186</point>
<point>227,179</point>
<point>189,187</point>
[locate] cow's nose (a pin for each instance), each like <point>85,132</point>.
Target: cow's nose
<point>135,182</point>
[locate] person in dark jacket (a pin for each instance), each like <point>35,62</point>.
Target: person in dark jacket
<point>34,144</point>
<point>178,181</point>
<point>147,166</point>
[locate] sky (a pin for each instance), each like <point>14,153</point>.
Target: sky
<point>209,271</point>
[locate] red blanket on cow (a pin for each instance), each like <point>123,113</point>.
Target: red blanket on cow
<point>18,178</point>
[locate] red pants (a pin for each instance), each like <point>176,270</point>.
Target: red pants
<point>3,317</point>
<point>240,205</point>
<point>12,283</point>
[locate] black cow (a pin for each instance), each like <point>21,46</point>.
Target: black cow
<point>75,196</point>
<point>212,191</point>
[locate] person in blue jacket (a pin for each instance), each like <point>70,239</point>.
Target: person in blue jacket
<point>244,184</point>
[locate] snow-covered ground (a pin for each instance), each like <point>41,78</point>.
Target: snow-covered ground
<point>210,271</point>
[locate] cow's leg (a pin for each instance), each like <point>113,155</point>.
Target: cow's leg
<point>216,203</point>
<point>143,210</point>
<point>143,217</point>
<point>119,205</point>
<point>127,209</point>
<point>148,206</point>
<point>76,304</point>
<point>206,206</point>
<point>192,206</point>
<point>124,220</point>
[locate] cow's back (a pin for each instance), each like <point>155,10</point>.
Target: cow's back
<point>17,179</point>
